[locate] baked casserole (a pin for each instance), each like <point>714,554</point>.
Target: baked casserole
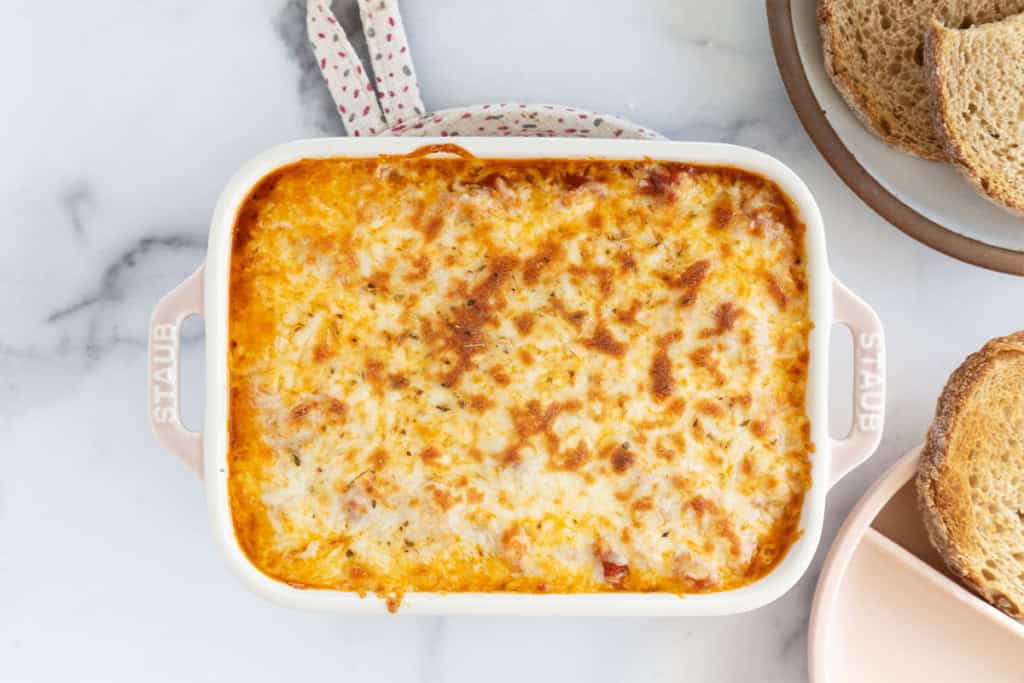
<point>477,375</point>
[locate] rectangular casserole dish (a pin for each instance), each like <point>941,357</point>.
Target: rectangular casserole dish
<point>206,293</point>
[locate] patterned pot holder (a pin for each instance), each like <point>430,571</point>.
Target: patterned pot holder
<point>386,100</point>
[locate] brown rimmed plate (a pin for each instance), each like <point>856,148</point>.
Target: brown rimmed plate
<point>925,200</point>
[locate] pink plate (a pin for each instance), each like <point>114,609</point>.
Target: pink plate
<point>886,608</point>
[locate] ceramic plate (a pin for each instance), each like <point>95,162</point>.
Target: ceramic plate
<point>928,200</point>
<point>887,609</point>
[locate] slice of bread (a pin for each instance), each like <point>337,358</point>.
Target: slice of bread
<point>970,481</point>
<point>976,77</point>
<point>874,53</point>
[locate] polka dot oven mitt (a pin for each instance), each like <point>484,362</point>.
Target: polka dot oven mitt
<point>387,102</point>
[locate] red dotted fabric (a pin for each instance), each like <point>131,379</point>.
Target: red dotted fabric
<point>522,120</point>
<point>390,103</point>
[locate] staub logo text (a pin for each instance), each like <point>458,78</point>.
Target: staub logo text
<point>870,381</point>
<point>164,369</point>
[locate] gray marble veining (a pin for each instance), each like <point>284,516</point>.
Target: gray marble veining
<point>121,123</point>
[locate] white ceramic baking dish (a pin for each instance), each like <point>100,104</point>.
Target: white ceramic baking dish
<point>206,293</point>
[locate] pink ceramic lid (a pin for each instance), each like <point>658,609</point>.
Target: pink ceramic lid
<point>886,609</point>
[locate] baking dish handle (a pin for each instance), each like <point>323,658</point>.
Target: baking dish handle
<point>183,301</point>
<point>868,382</point>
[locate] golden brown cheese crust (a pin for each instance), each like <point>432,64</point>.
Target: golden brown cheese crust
<point>536,376</point>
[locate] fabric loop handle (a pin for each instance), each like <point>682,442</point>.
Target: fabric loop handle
<point>368,106</point>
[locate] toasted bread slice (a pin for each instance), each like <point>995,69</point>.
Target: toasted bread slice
<point>976,77</point>
<point>970,481</point>
<point>874,53</point>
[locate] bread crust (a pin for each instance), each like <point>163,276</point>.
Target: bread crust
<point>955,397</point>
<point>957,153</point>
<point>861,106</point>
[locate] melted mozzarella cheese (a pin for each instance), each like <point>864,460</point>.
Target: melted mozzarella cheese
<point>541,375</point>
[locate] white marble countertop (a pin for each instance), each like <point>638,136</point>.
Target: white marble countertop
<point>121,122</point>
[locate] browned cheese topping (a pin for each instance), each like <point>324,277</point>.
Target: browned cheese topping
<point>537,375</point>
